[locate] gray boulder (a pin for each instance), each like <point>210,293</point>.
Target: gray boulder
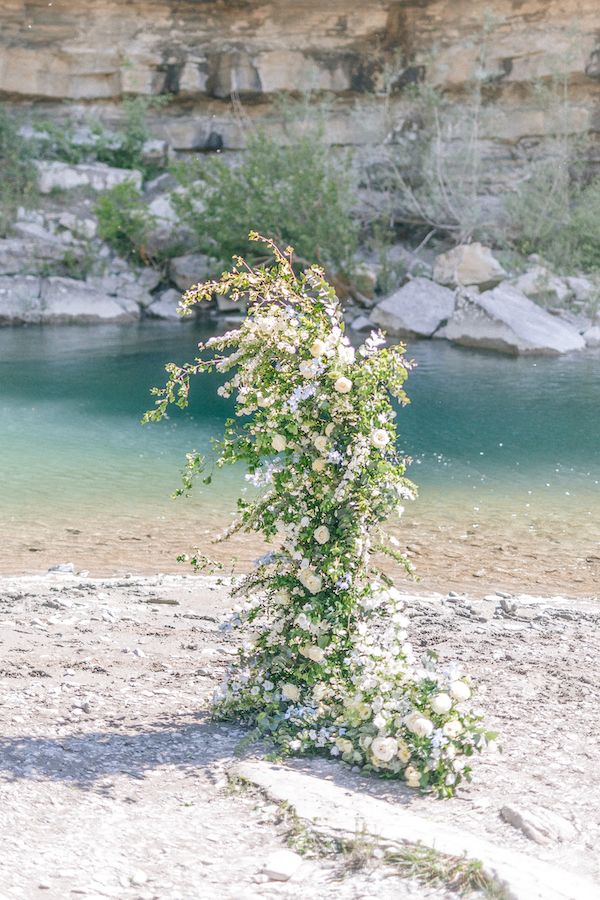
<point>539,283</point>
<point>468,265</point>
<point>31,256</point>
<point>419,308</point>
<point>20,300</point>
<point>191,269</point>
<point>592,336</point>
<point>97,176</point>
<point>65,300</point>
<point>166,306</point>
<point>505,320</point>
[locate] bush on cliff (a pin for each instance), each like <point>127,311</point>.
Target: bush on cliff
<point>18,184</point>
<point>298,194</point>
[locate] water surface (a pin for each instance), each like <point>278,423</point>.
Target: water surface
<point>506,453</point>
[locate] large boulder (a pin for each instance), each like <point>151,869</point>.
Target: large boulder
<point>468,265</point>
<point>504,319</point>
<point>191,269</point>
<point>419,308</point>
<point>592,336</point>
<point>20,300</point>
<point>96,176</point>
<point>65,300</point>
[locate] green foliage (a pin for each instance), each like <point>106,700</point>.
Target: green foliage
<point>556,216</point>
<point>56,141</point>
<point>124,222</point>
<point>297,193</point>
<point>18,181</point>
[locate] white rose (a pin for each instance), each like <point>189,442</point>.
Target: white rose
<point>460,691</point>
<point>321,534</point>
<point>314,583</point>
<point>320,443</point>
<point>329,429</point>
<point>412,776</point>
<point>318,465</point>
<point>317,348</point>
<point>441,704</point>
<point>263,401</point>
<point>384,748</point>
<point>319,691</point>
<point>419,725</point>
<point>278,442</point>
<point>380,438</point>
<point>403,753</point>
<point>343,385</point>
<point>452,729</point>
<point>290,692</point>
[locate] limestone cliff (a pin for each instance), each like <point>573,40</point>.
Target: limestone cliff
<point>203,52</point>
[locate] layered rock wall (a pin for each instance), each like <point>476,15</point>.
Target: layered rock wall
<point>68,55</point>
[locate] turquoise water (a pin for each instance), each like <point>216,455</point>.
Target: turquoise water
<point>492,437</point>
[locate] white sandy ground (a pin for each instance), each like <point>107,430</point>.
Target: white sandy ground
<point>113,780</point>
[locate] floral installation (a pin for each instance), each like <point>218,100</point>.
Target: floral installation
<point>326,665</point>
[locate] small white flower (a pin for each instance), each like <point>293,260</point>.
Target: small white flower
<point>308,368</point>
<point>278,442</point>
<point>290,692</point>
<point>319,691</point>
<point>313,652</point>
<point>441,703</point>
<point>343,385</point>
<point>318,465</point>
<point>380,438</point>
<point>321,534</point>
<point>318,348</point>
<point>460,691</point>
<point>346,354</point>
<point>452,729</point>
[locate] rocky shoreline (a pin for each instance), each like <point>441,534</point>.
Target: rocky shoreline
<point>112,771</point>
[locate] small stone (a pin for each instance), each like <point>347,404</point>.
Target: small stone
<point>281,865</point>
<point>63,568</point>
<point>539,824</point>
<point>138,877</point>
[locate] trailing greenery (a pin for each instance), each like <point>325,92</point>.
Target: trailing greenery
<point>298,193</point>
<point>18,181</point>
<point>125,223</point>
<point>327,666</point>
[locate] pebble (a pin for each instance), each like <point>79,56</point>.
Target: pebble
<point>281,865</point>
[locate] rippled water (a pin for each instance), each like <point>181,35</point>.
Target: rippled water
<point>507,446</point>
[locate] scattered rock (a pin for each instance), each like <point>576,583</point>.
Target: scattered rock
<point>582,288</point>
<point>282,864</point>
<point>468,265</point>
<point>539,283</point>
<point>97,176</point>
<point>504,319</point>
<point>191,269</point>
<point>540,825</point>
<point>418,308</point>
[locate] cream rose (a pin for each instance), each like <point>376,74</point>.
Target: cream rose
<point>319,691</point>
<point>278,442</point>
<point>290,692</point>
<point>311,581</point>
<point>384,748</point>
<point>412,776</point>
<point>344,745</point>
<point>419,725</point>
<point>460,690</point>
<point>321,534</point>
<point>380,438</point>
<point>403,752</point>
<point>321,443</point>
<point>441,704</point>
<point>318,348</point>
<point>311,651</point>
<point>343,385</point>
<point>307,368</point>
<point>318,465</point>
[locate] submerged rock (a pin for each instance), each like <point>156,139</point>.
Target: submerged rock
<point>504,319</point>
<point>418,308</point>
<point>468,265</point>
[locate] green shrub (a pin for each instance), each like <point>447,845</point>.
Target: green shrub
<point>297,194</point>
<point>18,181</point>
<point>55,141</point>
<point>127,151</point>
<point>124,222</point>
